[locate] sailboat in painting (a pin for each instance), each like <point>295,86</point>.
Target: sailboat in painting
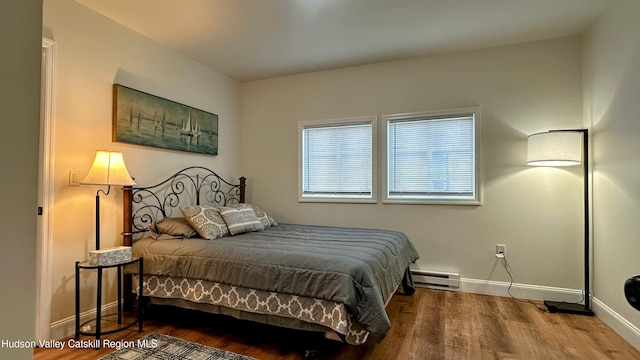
<point>196,133</point>
<point>187,128</point>
<point>158,121</point>
<point>196,130</point>
<point>192,130</point>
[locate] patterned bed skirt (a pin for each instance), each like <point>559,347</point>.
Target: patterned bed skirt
<point>329,314</point>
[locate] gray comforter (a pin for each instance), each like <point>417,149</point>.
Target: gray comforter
<point>357,267</point>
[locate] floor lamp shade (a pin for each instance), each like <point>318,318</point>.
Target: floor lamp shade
<point>554,148</point>
<point>108,169</point>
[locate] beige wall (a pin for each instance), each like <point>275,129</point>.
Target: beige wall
<point>522,89</point>
<point>612,91</point>
<point>94,52</point>
<point>20,41</point>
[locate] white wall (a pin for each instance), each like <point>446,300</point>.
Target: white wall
<point>94,53</point>
<point>522,89</point>
<point>612,91</point>
<point>20,41</point>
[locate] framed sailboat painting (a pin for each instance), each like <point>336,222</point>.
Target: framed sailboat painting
<point>145,119</point>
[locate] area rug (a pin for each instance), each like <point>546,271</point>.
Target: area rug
<point>163,347</point>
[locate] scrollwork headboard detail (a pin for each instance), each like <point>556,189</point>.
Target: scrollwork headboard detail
<point>194,185</point>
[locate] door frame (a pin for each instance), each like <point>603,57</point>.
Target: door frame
<point>45,192</point>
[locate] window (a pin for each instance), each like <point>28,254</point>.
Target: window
<point>337,160</point>
<point>433,157</point>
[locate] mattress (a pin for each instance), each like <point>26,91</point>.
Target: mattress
<point>356,267</point>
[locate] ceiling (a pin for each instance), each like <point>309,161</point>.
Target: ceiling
<point>256,39</point>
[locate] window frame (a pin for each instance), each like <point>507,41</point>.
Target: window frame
<point>373,198</point>
<point>434,115</point>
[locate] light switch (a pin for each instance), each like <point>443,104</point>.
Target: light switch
<point>74,178</point>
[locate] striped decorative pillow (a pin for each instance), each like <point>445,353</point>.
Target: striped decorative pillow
<point>241,219</point>
<point>267,221</point>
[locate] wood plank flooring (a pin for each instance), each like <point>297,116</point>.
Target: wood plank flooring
<point>428,325</point>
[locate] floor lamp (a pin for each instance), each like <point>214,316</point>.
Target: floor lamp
<point>108,169</point>
<point>566,148</point>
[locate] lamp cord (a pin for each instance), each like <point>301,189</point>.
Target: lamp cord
<point>102,191</point>
<point>506,268</point>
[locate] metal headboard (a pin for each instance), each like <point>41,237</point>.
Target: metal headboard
<point>193,185</point>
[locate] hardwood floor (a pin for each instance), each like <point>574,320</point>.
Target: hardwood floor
<point>428,325</point>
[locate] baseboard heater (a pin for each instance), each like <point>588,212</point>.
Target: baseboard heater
<point>436,280</point>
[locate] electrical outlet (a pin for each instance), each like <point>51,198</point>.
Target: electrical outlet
<point>501,250</point>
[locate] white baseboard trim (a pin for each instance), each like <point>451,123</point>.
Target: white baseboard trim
<point>520,291</point>
<point>620,325</point>
<point>67,327</point>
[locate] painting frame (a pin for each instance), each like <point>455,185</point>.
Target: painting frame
<point>144,119</point>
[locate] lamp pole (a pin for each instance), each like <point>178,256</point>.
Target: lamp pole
<point>572,308</point>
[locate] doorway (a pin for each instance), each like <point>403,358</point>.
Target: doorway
<point>45,192</point>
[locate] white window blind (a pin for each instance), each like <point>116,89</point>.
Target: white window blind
<point>432,157</point>
<point>337,160</point>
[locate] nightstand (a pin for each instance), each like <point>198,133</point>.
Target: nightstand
<point>102,325</point>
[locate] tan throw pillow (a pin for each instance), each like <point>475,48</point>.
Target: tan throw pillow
<point>175,227</point>
<point>241,219</point>
<point>206,220</point>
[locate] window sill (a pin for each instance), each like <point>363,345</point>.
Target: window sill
<point>466,202</point>
<point>337,200</point>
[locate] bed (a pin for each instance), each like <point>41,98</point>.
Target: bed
<point>204,248</point>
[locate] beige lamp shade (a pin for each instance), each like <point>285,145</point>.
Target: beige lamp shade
<point>555,148</point>
<point>108,169</point>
